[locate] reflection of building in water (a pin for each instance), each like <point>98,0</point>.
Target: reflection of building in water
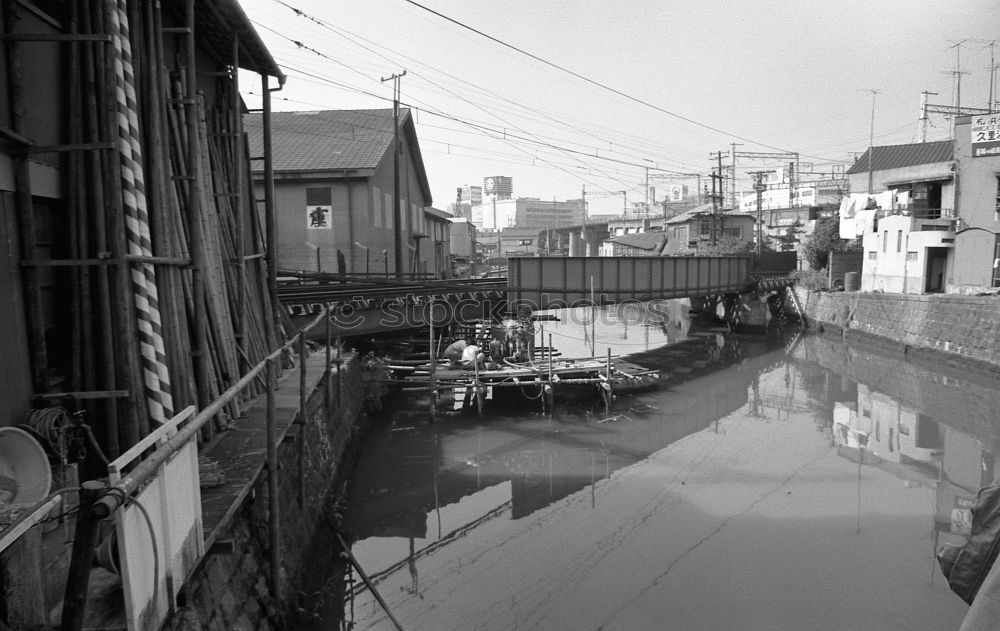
<point>887,428</point>
<point>942,429</point>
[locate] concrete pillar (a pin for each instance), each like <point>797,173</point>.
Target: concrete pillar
<point>755,313</point>
<point>574,244</point>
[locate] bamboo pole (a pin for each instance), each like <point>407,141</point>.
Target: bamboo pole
<point>328,382</point>
<point>479,392</point>
<point>23,204</point>
<point>237,149</point>
<point>608,393</point>
<point>593,320</point>
<point>134,424</point>
<point>432,386</point>
<point>97,166</point>
<point>80,302</point>
<point>195,211</point>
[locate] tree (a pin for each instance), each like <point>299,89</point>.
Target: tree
<point>728,244</point>
<point>825,239</point>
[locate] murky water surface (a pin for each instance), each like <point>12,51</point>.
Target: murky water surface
<point>780,482</point>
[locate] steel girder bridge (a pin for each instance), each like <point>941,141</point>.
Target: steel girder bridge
<point>363,305</point>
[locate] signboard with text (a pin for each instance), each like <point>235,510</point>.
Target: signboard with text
<point>986,136</point>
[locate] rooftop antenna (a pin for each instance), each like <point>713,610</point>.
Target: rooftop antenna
<point>957,74</point>
<point>991,103</point>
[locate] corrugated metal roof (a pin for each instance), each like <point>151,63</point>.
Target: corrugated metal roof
<point>333,140</point>
<point>900,156</point>
<point>440,214</point>
<point>688,215</point>
<point>641,241</point>
<point>323,140</point>
<point>216,22</point>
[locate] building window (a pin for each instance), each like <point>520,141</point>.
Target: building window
<point>911,256</point>
<point>377,206</point>
<point>996,207</point>
<point>996,262</point>
<point>705,226</point>
<point>389,217</point>
<point>899,240</point>
<point>885,240</point>
<point>319,208</point>
<point>873,255</point>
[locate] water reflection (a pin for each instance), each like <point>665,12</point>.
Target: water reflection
<point>780,482</point>
<point>927,427</point>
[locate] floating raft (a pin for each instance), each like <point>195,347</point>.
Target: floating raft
<point>624,375</point>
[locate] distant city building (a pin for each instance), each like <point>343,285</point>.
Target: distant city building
<point>465,198</point>
<point>471,195</point>
<point>463,240</point>
<point>526,212</point>
<point>787,191</point>
<point>499,186</point>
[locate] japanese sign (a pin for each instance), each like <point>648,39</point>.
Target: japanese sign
<point>318,208</point>
<point>986,136</point>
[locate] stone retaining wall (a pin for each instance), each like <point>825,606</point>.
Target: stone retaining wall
<point>229,591</point>
<point>960,331</point>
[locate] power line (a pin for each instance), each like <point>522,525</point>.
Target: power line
<point>353,37</point>
<point>598,84</point>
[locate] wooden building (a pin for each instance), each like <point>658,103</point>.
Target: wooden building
<point>335,191</point>
<point>131,257</point>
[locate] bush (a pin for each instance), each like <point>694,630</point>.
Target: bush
<point>811,279</point>
<point>824,239</point>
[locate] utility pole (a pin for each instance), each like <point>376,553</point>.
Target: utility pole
<point>732,182</point>
<point>871,139</point>
<point>991,103</point>
<point>717,193</point>
<point>922,123</point>
<point>396,213</point>
<point>496,225</point>
<point>759,185</point>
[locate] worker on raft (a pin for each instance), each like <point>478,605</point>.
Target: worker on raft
<point>453,353</point>
<point>464,353</point>
<point>526,333</point>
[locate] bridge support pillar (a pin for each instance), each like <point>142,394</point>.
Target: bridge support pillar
<point>575,243</point>
<point>756,313</point>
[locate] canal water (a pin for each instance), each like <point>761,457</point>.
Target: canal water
<point>779,481</point>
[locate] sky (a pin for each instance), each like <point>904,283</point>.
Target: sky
<point>597,95</point>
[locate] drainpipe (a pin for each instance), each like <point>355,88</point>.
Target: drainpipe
<point>274,539</point>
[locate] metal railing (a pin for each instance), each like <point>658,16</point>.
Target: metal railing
<point>113,497</point>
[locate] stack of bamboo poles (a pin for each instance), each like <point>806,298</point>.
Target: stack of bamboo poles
<point>236,306</point>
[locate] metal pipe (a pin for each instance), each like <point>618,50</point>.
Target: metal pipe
<point>273,503</point>
<point>300,443</point>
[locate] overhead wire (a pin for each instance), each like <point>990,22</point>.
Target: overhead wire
<point>593,82</point>
<point>550,118</point>
<point>494,134</point>
<point>489,133</point>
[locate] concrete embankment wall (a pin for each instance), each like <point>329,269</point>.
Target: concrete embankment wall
<point>961,332</point>
<point>229,590</point>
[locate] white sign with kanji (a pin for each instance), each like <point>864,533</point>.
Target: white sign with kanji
<point>986,136</point>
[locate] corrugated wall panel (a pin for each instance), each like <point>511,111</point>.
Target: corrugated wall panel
<point>550,282</point>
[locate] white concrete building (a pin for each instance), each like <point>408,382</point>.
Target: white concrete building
<point>526,212</point>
